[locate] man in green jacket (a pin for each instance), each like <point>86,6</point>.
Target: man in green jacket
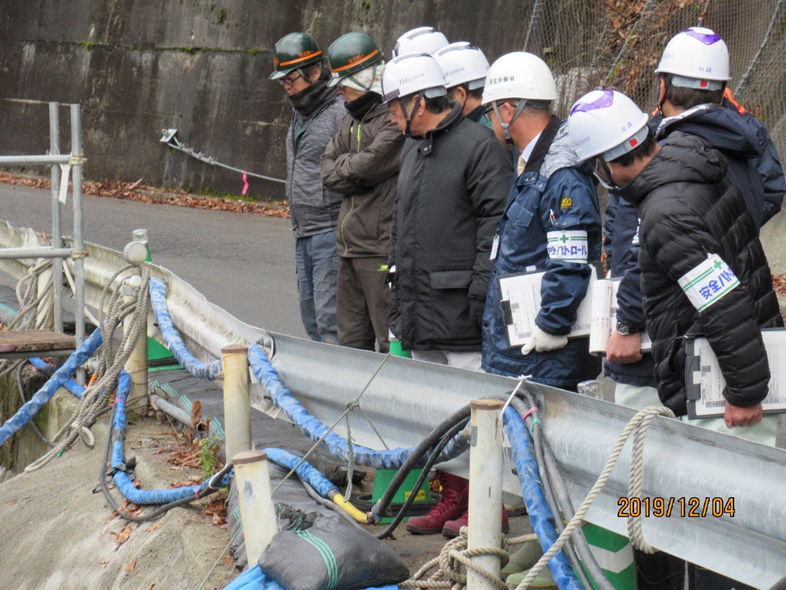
<point>362,162</point>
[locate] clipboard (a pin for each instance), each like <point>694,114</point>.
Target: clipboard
<point>704,382</point>
<point>520,301</point>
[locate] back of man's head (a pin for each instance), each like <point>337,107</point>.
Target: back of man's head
<point>695,68</point>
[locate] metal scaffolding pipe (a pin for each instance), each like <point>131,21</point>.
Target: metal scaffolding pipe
<point>57,229</point>
<point>43,160</point>
<point>79,263</point>
<point>40,252</point>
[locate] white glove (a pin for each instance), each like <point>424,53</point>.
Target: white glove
<point>541,341</point>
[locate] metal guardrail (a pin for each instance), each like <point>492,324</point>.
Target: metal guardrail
<point>682,461</point>
<point>407,398</point>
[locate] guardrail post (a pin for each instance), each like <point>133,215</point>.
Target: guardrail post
<point>257,513</point>
<point>485,488</point>
<point>237,404</point>
<point>136,365</point>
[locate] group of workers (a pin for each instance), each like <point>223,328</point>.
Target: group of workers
<point>437,174</point>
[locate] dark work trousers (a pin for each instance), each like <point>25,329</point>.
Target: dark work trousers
<point>362,303</point>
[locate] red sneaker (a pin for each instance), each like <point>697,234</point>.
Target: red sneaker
<point>452,528</point>
<point>452,505</point>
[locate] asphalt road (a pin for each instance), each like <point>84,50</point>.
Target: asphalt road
<point>243,263</point>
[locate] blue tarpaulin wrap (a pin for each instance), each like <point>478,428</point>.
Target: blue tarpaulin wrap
<point>254,579</point>
<point>172,338</point>
<point>48,370</point>
<point>43,395</point>
<point>540,515</point>
<point>305,470</point>
<point>122,480</point>
<point>338,447</point>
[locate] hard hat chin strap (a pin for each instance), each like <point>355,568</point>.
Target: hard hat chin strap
<point>607,184</point>
<point>407,115</point>
<point>506,126</point>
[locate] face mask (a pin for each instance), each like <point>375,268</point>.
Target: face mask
<point>607,184</point>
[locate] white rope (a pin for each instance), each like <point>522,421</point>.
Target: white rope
<point>637,426</point>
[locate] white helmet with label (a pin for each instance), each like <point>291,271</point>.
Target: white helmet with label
<point>519,75</point>
<point>463,63</point>
<point>411,74</point>
<point>696,58</point>
<point>606,123</point>
<point>420,40</point>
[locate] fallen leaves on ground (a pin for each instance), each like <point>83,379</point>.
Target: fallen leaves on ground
<point>131,565</point>
<point>122,536</point>
<point>148,194</point>
<point>150,587</point>
<point>154,527</point>
<point>217,507</point>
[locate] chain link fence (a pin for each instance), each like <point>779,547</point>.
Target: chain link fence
<point>617,44</point>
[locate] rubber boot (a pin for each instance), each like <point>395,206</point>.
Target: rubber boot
<point>543,580</point>
<point>452,528</point>
<point>523,559</point>
<point>455,492</point>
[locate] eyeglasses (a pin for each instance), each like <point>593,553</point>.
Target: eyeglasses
<point>289,81</point>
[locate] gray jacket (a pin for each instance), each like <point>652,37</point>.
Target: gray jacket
<point>314,208</point>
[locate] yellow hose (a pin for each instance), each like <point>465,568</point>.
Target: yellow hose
<point>356,514</point>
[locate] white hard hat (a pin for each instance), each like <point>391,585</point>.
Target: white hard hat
<point>412,73</point>
<point>463,63</point>
<point>519,75</point>
<point>696,58</point>
<point>606,123</point>
<point>420,40</point>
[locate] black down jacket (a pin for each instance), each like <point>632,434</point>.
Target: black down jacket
<point>451,193</point>
<point>689,211</point>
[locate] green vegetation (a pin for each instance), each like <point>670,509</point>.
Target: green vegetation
<point>222,16</point>
<point>208,456</point>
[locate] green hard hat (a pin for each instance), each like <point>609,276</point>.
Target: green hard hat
<point>351,53</point>
<point>294,51</point>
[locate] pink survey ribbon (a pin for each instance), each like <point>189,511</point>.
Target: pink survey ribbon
<point>245,183</point>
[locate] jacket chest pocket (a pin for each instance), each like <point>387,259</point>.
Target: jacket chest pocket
<point>518,215</point>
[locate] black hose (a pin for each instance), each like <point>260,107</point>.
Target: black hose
<point>163,509</point>
<point>21,386</point>
<point>446,438</point>
<point>417,454</point>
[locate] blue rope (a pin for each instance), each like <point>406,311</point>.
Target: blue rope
<point>172,339</point>
<point>313,428</point>
<point>48,370</point>
<point>43,395</point>
<point>540,515</point>
<point>305,470</point>
<point>123,482</point>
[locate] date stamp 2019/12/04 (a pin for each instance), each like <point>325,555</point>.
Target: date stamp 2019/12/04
<point>666,507</point>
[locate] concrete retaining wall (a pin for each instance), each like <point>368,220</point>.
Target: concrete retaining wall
<point>138,66</point>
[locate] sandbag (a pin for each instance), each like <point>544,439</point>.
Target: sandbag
<point>329,554</point>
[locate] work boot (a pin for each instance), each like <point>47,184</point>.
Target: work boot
<point>452,505</point>
<point>544,580</point>
<point>452,528</point>
<point>523,559</point>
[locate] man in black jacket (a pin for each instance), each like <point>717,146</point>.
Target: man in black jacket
<point>692,219</point>
<point>703,269</point>
<point>451,193</point>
